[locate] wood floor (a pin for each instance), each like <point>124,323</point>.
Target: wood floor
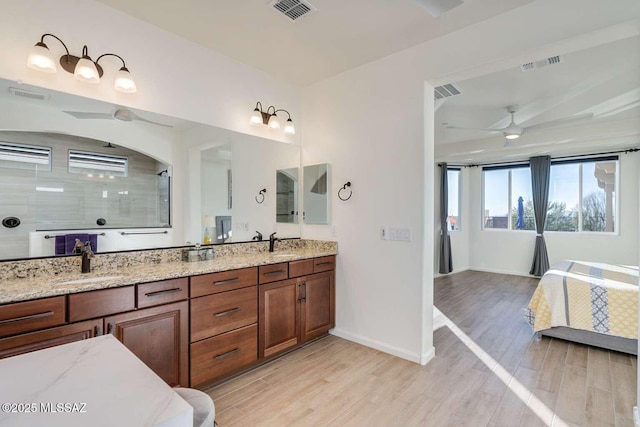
<point>488,371</point>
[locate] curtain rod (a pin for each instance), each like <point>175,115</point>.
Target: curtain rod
<point>518,162</point>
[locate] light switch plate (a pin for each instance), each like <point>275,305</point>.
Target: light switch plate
<point>402,234</point>
<point>384,233</point>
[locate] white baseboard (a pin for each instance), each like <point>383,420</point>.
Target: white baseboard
<point>427,356</point>
<point>500,271</point>
<point>636,417</point>
<point>386,348</point>
<point>436,275</point>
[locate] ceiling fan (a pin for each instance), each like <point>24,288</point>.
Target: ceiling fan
<point>121,113</point>
<point>514,131</point>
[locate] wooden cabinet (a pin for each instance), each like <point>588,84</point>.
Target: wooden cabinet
<point>317,306</point>
<point>159,337</point>
<point>295,311</point>
<point>279,324</point>
<point>93,304</point>
<point>224,330</point>
<point>39,340</point>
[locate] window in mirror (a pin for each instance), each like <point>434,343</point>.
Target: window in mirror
<point>88,163</point>
<point>316,194</point>
<point>20,156</point>
<point>287,195</point>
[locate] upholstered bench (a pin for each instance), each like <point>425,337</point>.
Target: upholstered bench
<point>204,411</point>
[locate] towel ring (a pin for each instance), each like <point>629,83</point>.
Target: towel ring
<point>261,193</point>
<point>344,188</point>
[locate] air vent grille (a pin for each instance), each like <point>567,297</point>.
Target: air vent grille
<point>292,9</point>
<point>28,94</point>
<point>530,66</point>
<point>445,91</point>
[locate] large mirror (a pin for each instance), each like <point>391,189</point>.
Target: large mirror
<point>168,195</point>
<point>317,186</point>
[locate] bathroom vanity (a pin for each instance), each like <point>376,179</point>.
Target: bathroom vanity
<point>193,323</point>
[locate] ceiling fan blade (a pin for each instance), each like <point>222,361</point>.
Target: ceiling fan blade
<point>472,129</point>
<point>83,115</point>
<point>562,122</point>
<point>142,119</point>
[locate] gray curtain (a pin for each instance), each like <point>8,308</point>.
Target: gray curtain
<point>540,171</point>
<point>446,263</point>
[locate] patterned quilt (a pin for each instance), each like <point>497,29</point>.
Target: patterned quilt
<point>592,296</point>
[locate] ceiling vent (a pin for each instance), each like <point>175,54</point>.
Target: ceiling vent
<point>445,91</point>
<point>530,66</point>
<point>293,9</point>
<point>28,94</point>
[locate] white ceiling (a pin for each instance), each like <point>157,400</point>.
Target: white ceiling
<point>604,80</point>
<point>341,35</point>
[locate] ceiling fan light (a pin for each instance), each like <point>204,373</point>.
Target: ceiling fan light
<point>86,71</point>
<point>256,117</point>
<point>124,81</point>
<point>289,128</point>
<point>511,135</point>
<point>40,59</point>
<point>274,121</point>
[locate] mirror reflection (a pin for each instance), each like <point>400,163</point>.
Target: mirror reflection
<point>316,194</point>
<point>287,195</point>
<point>162,193</point>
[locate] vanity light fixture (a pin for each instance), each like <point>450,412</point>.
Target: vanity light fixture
<point>270,118</point>
<point>83,68</point>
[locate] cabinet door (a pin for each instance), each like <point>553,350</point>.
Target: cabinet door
<point>159,336</point>
<point>33,341</point>
<point>318,305</point>
<point>279,308</point>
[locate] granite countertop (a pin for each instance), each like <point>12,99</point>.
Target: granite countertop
<point>93,382</point>
<point>22,289</point>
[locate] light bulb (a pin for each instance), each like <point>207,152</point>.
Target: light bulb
<point>511,136</point>
<point>40,59</point>
<point>274,121</point>
<point>86,71</point>
<point>289,128</point>
<point>256,117</point>
<point>124,81</point>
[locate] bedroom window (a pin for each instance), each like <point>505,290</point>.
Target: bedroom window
<point>453,185</point>
<point>583,195</point>
<point>503,188</point>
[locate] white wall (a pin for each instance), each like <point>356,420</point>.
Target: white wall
<point>512,251</point>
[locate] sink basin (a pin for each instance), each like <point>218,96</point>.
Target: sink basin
<point>279,255</point>
<point>90,280</point>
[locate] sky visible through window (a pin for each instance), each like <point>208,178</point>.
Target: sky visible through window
<point>564,186</point>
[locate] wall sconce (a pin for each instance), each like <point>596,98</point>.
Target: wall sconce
<point>270,118</point>
<point>83,69</point>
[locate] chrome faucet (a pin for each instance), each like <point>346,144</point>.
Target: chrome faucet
<point>272,241</point>
<point>87,254</point>
<point>257,237</point>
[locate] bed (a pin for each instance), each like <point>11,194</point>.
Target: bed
<point>588,302</point>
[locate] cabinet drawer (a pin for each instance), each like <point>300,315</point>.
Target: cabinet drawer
<point>325,263</point>
<point>223,355</point>
<point>31,315</point>
<point>214,314</point>
<point>300,268</point>
<point>25,343</point>
<point>224,281</point>
<point>166,291</point>
<point>273,272</point>
<point>92,304</point>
